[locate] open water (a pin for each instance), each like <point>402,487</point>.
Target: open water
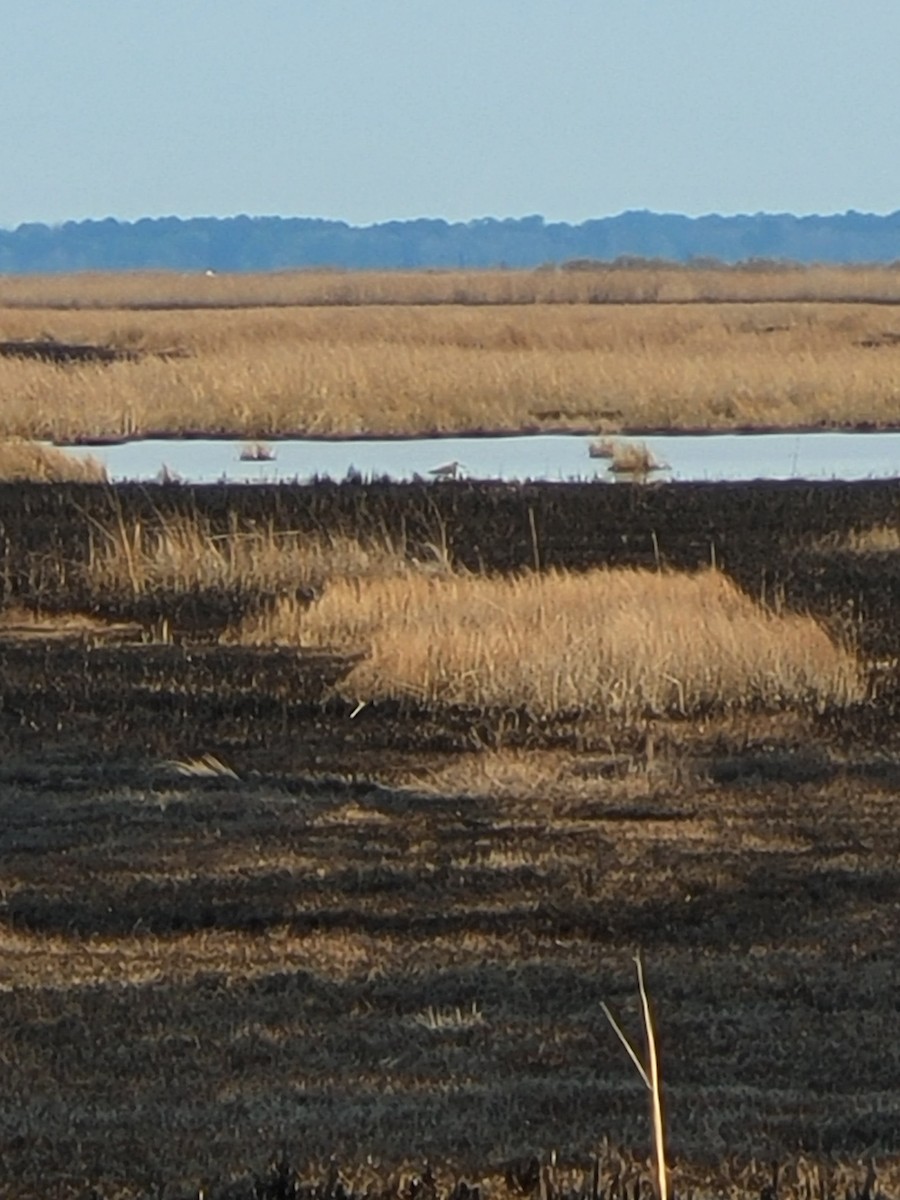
<point>552,458</point>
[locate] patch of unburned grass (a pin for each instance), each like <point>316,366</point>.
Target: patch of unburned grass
<point>634,458</point>
<point>616,642</point>
<point>183,554</point>
<point>21,459</point>
<point>878,539</point>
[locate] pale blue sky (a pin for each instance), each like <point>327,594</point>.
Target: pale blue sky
<point>371,110</point>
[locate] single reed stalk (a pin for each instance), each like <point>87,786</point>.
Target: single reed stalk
<point>655,1092</point>
<point>650,1077</point>
<point>535,545</point>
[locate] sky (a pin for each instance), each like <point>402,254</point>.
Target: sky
<point>377,110</point>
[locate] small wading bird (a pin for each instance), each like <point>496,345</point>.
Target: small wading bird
<point>448,470</point>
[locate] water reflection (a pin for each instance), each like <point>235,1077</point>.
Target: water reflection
<point>540,457</point>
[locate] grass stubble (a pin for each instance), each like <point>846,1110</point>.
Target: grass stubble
<point>197,973</point>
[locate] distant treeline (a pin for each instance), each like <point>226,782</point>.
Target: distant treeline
<point>273,243</point>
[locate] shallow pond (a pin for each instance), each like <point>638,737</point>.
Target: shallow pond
<point>553,457</point>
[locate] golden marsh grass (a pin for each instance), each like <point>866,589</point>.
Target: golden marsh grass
<point>397,367</point>
<point>620,643</point>
<point>22,459</point>
<point>181,555</point>
<point>634,282</point>
<point>616,642</point>
<point>634,458</point>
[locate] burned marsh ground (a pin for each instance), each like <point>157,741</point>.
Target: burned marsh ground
<point>373,932</point>
<point>199,973</point>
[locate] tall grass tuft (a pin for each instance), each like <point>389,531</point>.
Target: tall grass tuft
<point>21,459</point>
<point>620,643</point>
<point>186,554</point>
<point>634,458</point>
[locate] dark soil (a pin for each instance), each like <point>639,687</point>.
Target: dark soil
<point>199,974</point>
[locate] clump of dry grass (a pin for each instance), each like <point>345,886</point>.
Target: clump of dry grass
<point>602,448</point>
<point>25,460</point>
<point>620,643</point>
<point>634,458</point>
<point>879,539</point>
<point>182,554</point>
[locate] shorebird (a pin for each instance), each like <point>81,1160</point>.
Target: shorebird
<point>166,475</point>
<point>448,470</point>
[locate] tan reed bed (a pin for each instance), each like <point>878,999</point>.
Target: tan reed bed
<point>620,643</point>
<point>617,642</point>
<point>382,370</point>
<point>585,282</point>
<point>24,460</point>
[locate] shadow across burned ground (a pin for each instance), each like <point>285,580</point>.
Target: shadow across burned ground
<point>344,969</point>
<point>424,865</point>
<point>446,903</point>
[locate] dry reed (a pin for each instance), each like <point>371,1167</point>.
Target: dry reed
<point>634,282</point>
<point>181,555</point>
<point>617,642</point>
<point>25,460</point>
<point>392,369</point>
<point>878,539</point>
<point>650,1077</point>
<point>634,458</point>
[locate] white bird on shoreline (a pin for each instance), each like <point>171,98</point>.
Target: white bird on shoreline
<point>448,470</point>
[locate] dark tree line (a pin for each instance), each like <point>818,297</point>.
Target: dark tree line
<point>269,243</point>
